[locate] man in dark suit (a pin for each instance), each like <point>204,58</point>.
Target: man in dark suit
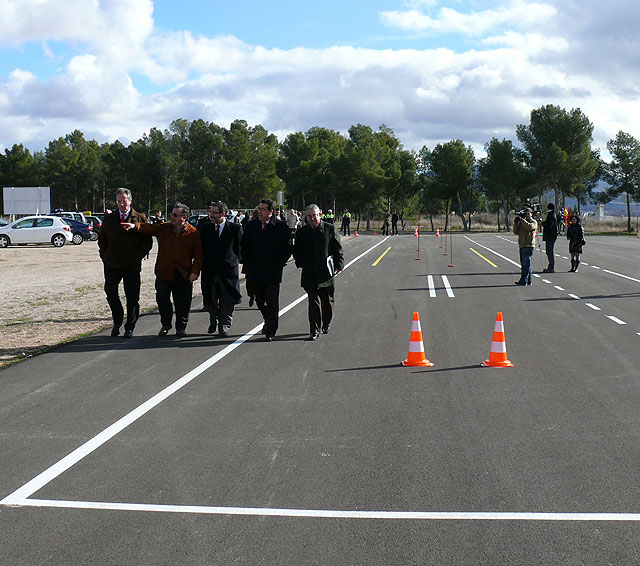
<point>265,248</point>
<point>318,252</point>
<point>122,253</point>
<point>220,277</point>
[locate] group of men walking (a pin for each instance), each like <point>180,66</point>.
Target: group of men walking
<point>215,251</point>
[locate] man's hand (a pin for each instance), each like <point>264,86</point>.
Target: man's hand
<point>127,226</point>
<point>192,277</point>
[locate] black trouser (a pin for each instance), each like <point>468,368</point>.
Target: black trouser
<point>131,279</point>
<point>394,228</point>
<point>346,228</point>
<point>549,251</point>
<point>321,303</point>
<point>219,301</point>
<point>181,290</point>
<point>268,301</point>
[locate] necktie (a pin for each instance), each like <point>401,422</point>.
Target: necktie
<point>123,217</point>
<point>264,225</point>
<point>217,230</point>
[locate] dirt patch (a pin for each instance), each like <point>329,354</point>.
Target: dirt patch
<point>49,295</point>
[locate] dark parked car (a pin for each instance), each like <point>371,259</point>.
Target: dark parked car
<point>79,230</point>
<point>96,224</point>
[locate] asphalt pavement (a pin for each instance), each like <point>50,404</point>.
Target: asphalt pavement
<point>202,450</point>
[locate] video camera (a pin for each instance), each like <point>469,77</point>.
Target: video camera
<point>535,211</point>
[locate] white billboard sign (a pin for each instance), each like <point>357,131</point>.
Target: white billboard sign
<point>26,200</point>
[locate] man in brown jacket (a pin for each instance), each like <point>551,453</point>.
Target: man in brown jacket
<point>122,253</point>
<point>178,265</point>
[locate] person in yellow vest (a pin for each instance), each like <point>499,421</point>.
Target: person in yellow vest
<point>346,223</point>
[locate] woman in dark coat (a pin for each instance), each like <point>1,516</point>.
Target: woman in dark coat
<point>575,235</point>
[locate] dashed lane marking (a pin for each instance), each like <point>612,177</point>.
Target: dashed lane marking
<point>593,307</point>
<point>616,320</point>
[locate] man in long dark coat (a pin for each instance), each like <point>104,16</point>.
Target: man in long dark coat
<point>220,277</point>
<point>265,248</point>
<point>318,252</point>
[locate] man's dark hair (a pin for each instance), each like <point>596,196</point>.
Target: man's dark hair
<point>271,205</point>
<point>184,207</point>
<point>222,207</point>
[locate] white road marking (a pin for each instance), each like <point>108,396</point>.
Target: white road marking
<point>445,280</point>
<point>432,289</point>
<point>620,275</point>
<point>339,514</point>
<point>574,296</point>
<point>558,287</point>
<point>19,497</point>
<point>616,320</point>
<point>584,263</point>
<point>546,281</point>
<point>494,252</point>
<point>595,267</point>
<point>593,307</point>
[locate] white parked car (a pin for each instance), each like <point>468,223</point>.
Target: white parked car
<point>36,230</point>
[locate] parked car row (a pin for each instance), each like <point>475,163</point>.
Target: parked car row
<point>36,230</point>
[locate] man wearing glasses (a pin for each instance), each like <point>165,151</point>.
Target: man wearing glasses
<point>220,277</point>
<point>265,248</point>
<point>318,252</point>
<point>177,266</point>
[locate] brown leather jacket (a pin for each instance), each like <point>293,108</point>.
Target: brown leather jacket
<point>120,249</point>
<point>181,251</point>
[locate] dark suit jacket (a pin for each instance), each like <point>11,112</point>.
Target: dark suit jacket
<point>264,253</point>
<point>312,248</point>
<point>122,249</point>
<point>222,255</point>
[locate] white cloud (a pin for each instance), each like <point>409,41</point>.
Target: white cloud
<point>528,54</point>
<point>518,13</point>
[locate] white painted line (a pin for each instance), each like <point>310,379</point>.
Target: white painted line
<point>593,307</point>
<point>536,275</point>
<point>584,263</point>
<point>338,514</point>
<point>494,252</point>
<point>616,320</point>
<point>620,275</point>
<point>574,296</point>
<point>546,281</point>
<point>21,494</point>
<point>445,280</point>
<point>432,289</point>
<point>564,257</point>
<point>558,287</point>
<point>595,267</point>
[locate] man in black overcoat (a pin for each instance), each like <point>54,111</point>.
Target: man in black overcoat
<point>318,252</point>
<point>220,277</point>
<point>265,248</point>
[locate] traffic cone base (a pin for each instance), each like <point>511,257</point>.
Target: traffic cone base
<point>416,357</point>
<point>498,354</point>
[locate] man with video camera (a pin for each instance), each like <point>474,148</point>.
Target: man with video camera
<point>525,227</point>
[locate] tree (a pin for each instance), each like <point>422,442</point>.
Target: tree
<point>504,176</point>
<point>623,172</point>
<point>451,171</point>
<point>558,144</point>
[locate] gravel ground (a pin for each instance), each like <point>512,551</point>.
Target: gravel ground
<point>49,295</point>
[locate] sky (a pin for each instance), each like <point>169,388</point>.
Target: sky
<point>430,70</point>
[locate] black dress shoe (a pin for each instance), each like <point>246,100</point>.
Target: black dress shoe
<point>128,333</point>
<point>223,334</point>
<point>268,338</point>
<point>325,329</point>
<point>115,331</point>
<point>313,337</point>
<point>211,329</point>
<point>520,283</point>
<point>164,331</point>
<point>181,333</point>
<point>251,301</point>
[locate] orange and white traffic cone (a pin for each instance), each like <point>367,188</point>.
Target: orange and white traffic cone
<point>356,234</point>
<point>416,355</point>
<point>498,354</point>
<point>437,232</point>
<point>375,233</point>
<point>415,232</point>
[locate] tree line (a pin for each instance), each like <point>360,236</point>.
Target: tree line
<point>367,170</point>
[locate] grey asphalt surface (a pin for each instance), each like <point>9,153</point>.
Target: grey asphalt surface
<point>339,424</point>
